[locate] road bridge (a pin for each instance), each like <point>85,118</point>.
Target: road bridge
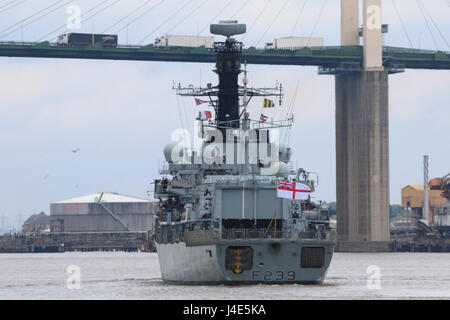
<point>344,58</point>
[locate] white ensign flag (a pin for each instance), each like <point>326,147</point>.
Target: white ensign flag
<point>293,190</point>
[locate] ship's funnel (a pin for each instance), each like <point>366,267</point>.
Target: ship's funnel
<point>228,28</point>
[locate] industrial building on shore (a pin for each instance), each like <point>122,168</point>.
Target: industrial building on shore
<point>37,223</point>
<point>413,199</point>
<point>103,212</point>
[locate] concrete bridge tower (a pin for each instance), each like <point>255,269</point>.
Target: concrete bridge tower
<point>362,133</point>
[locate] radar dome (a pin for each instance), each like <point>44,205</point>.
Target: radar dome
<point>173,152</point>
<point>279,169</point>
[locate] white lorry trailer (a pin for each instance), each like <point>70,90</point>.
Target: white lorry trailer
<point>185,41</point>
<point>294,43</point>
<point>73,39</point>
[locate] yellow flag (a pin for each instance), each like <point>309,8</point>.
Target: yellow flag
<point>268,104</point>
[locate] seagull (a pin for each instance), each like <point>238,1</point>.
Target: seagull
<point>75,151</point>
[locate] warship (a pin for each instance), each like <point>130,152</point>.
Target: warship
<point>234,210</point>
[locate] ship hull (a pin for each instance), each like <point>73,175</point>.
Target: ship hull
<point>268,262</point>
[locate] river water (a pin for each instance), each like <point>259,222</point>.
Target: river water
<point>119,275</point>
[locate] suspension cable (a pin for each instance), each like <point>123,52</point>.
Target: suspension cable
<point>11,7</point>
<point>317,21</point>
<point>401,21</point>
<point>29,17</point>
<point>65,25</point>
<point>128,15</point>
<point>273,21</point>
<point>256,20</point>
<point>434,23</point>
<point>38,18</point>
<point>165,21</point>
<point>7,4</point>
<point>189,14</point>
<point>101,10</point>
<point>299,17</point>
<point>240,9</point>
<point>428,25</point>
<point>141,15</point>
<point>215,17</point>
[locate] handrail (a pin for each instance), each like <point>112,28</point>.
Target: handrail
<point>250,234</point>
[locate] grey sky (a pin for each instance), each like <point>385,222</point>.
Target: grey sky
<point>121,114</point>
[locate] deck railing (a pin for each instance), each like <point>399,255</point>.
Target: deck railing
<point>249,234</point>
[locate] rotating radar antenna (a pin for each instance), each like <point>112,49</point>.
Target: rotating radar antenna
<point>228,28</point>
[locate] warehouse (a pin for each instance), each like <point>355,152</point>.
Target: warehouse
<point>413,199</point>
<point>103,212</point>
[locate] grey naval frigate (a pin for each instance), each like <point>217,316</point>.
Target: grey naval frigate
<point>235,210</point>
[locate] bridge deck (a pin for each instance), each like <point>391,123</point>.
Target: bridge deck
<point>328,57</point>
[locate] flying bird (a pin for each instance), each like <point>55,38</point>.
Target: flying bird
<point>75,151</point>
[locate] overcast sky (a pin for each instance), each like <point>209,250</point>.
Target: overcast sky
<point>121,114</point>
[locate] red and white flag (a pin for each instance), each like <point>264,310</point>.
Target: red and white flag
<point>205,115</point>
<point>293,190</point>
<point>199,102</point>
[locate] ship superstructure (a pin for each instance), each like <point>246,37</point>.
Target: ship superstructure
<point>234,210</point>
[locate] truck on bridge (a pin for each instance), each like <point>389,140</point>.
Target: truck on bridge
<point>178,41</point>
<point>294,43</point>
<point>87,39</point>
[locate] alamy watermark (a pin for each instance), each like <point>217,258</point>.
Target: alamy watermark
<point>73,282</point>
<point>373,17</point>
<point>230,146</point>
<point>74,19</point>
<point>374,277</point>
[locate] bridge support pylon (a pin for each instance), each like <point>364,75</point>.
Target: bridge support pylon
<point>362,156</point>
<point>362,135</point>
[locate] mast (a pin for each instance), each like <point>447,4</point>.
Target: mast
<point>228,91</point>
<point>245,81</point>
<point>228,68</point>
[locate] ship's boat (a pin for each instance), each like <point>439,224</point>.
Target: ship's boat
<point>235,210</point>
